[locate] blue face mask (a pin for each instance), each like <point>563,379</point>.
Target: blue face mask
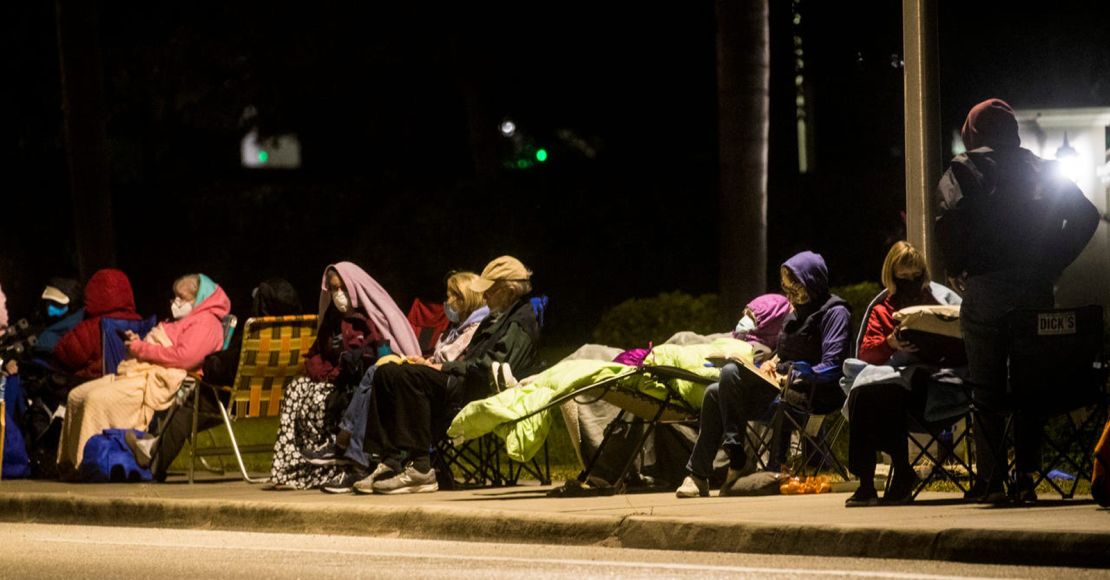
<point>55,310</point>
<point>451,313</point>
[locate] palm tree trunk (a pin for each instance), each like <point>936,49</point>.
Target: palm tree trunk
<point>743,69</point>
<point>86,142</point>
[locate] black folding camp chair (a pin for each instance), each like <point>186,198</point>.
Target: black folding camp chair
<point>1058,376</point>
<point>938,443</point>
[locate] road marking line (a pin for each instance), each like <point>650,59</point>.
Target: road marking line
<point>551,561</point>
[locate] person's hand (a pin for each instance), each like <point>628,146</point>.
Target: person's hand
<point>417,360</point>
<point>900,345</point>
<point>769,369</point>
<point>11,367</point>
<point>130,336</point>
<point>958,283</point>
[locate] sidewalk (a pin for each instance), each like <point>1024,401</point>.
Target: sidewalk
<point>1075,533</point>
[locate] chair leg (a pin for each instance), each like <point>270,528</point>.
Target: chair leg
<point>235,447</point>
<point>609,429</point>
<point>193,433</point>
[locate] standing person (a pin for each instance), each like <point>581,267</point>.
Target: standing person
<point>811,348</point>
<point>358,322</point>
<point>412,404</point>
<point>1008,225</point>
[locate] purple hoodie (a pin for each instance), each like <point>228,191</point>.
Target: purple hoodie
<point>815,333</point>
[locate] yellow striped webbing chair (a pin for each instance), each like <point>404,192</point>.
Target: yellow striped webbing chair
<point>272,355</point>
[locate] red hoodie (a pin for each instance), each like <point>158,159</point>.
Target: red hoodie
<point>108,294</point>
<point>197,335</point>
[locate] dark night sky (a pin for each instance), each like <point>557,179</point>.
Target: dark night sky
<point>380,101</point>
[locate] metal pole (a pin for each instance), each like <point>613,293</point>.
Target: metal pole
<point>922,111</point>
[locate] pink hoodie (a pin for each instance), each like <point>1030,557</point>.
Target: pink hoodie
<point>194,337</point>
<point>3,309</point>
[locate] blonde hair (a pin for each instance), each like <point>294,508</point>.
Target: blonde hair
<point>188,284</point>
<point>462,284</point>
<point>904,255</point>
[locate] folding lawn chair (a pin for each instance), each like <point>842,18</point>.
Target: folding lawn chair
<point>272,356</point>
<point>112,348</point>
<point>1058,376</point>
<point>947,437</point>
<point>482,462</point>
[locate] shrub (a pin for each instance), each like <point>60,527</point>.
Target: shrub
<point>858,297</point>
<point>635,322</point>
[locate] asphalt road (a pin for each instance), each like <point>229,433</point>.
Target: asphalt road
<point>30,551</point>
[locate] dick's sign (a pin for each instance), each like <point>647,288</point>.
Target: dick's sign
<point>1049,323</point>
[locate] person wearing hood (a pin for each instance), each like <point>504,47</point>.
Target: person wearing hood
<point>812,344</point>
<point>465,309</point>
<point>107,295</point>
<point>411,404</point>
<point>760,324</point>
<point>358,322</point>
<point>147,381</point>
<point>272,297</point>
<point>1008,224</point>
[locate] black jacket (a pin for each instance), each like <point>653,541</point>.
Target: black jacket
<point>512,337</point>
<point>1010,210</point>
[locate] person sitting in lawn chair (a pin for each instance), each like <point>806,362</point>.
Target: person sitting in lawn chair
<point>466,309</point>
<point>878,406</point>
<point>411,404</point>
<point>812,345</point>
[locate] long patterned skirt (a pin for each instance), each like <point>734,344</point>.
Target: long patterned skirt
<point>302,429</point>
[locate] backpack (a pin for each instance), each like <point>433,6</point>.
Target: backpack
<point>109,459</point>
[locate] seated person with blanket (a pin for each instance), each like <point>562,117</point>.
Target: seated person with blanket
<point>147,382</point>
<point>811,348</point>
<point>880,396</point>
<point>411,405</point>
<point>465,309</point>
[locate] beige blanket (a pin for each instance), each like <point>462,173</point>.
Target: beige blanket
<point>125,400</point>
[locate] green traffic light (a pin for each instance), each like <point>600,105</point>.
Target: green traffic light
<point>263,156</point>
<point>541,155</point>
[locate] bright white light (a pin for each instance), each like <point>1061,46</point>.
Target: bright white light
<point>508,128</point>
<point>1069,167</point>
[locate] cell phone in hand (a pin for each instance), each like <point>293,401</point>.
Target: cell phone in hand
<point>122,334</point>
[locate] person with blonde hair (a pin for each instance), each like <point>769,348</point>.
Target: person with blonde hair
<point>878,412</point>
<point>412,404</point>
<point>465,309</point>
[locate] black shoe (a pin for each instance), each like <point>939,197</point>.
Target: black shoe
<point>325,456</point>
<point>902,485</point>
<point>983,492</point>
<point>862,498</point>
<point>343,482</point>
<point>1022,490</point>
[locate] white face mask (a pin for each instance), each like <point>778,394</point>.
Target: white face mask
<point>341,301</point>
<point>180,309</point>
<point>745,326</point>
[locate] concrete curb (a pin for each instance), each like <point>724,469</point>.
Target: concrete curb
<point>1016,547</point>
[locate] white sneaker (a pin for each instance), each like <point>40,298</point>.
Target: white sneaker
<point>408,481</point>
<point>693,486</point>
<point>365,485</point>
